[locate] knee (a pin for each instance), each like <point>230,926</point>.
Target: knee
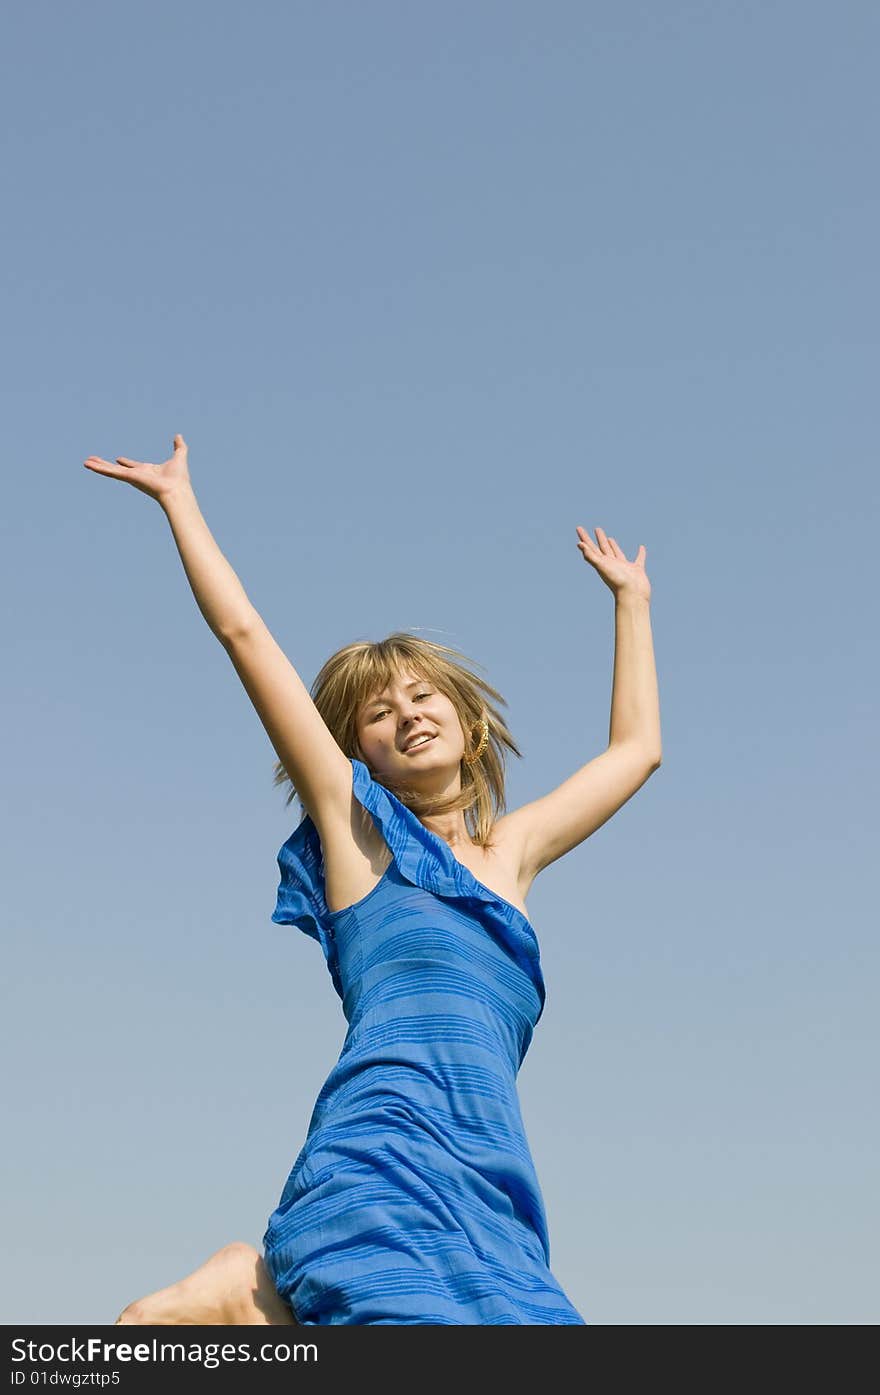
<point>134,1314</point>
<point>244,1256</point>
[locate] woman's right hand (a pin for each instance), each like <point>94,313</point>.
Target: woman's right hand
<point>159,481</point>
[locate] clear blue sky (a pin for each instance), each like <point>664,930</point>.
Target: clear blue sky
<point>425,287</point>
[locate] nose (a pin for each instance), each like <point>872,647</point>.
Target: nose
<point>410,723</point>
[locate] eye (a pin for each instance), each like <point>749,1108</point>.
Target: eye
<point>384,710</point>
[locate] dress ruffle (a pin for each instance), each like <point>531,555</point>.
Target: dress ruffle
<point>422,858</point>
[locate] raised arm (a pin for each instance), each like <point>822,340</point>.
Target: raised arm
<point>547,828</point>
<point>302,741</point>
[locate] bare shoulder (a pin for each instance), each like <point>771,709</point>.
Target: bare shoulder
<point>501,868</point>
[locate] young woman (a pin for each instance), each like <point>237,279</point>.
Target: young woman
<point>414,1197</point>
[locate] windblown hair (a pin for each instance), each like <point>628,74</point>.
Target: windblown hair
<point>358,671</point>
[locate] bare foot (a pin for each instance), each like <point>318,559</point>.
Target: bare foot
<point>232,1288</point>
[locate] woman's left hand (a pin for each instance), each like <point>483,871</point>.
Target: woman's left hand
<point>623,577</point>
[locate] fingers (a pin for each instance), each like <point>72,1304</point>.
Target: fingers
<point>602,545</point>
<point>143,475</point>
<point>606,544</point>
<point>586,546</point>
<point>94,461</point>
<point>120,460</point>
<point>100,466</point>
<point>117,471</point>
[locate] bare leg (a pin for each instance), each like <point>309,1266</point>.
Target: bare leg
<point>232,1288</point>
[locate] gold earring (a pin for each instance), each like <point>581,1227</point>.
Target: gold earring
<point>484,741</point>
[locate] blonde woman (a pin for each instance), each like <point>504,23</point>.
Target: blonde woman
<point>414,1198</point>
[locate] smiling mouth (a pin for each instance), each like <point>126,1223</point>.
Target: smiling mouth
<point>417,746</point>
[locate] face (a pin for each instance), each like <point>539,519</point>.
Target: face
<point>409,707</point>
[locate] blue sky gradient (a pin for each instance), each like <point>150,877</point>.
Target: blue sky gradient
<point>425,287</point>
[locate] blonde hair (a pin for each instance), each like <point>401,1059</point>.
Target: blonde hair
<point>359,670</point>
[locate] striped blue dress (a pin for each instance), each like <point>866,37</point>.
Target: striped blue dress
<point>414,1198</point>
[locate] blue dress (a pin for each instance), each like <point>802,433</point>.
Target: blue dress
<point>414,1198</point>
